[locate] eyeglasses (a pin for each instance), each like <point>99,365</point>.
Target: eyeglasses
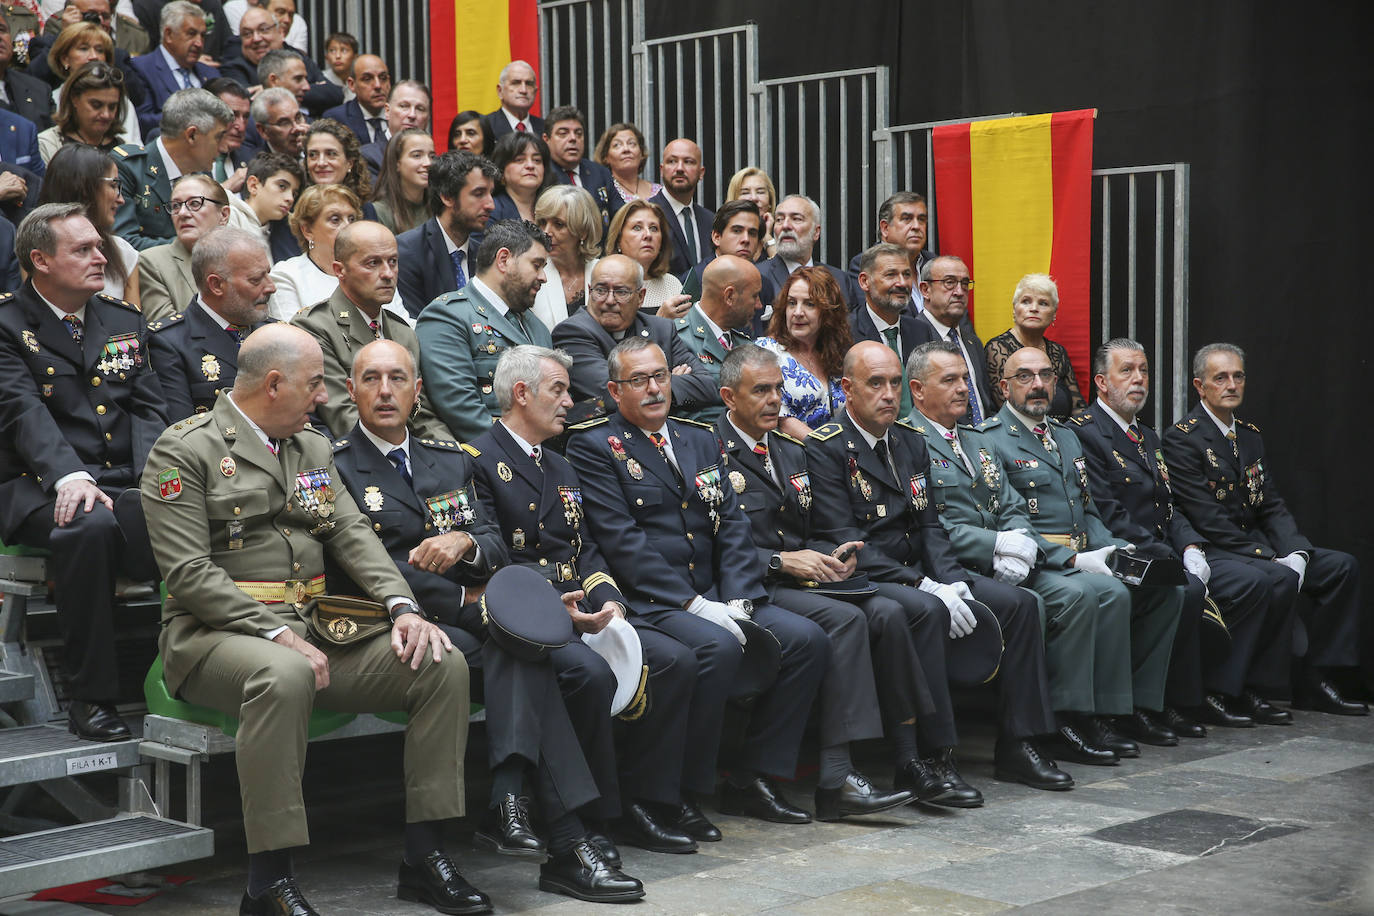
<point>950,282</point>
<point>622,294</point>
<point>113,182</point>
<point>640,382</point>
<point>191,203</point>
<point>1025,376</point>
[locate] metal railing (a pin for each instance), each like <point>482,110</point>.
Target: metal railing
<point>804,145</point>
<point>397,30</point>
<point>586,59</point>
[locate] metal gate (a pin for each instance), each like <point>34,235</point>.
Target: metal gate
<point>397,31</point>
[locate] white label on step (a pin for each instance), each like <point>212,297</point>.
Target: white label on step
<point>90,764</point>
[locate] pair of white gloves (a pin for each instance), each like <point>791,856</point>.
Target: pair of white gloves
<point>1194,561</point>
<point>1014,556</point>
<point>719,613</point>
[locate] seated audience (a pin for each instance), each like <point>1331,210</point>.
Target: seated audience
<point>797,225</point>
<point>198,206</point>
<point>81,44</point>
<point>84,175</point>
<point>400,198</point>
<point>640,232</point>
<point>736,229</point>
<point>279,122</point>
<point>365,114</point>
<point>25,94</point>
<point>332,156</point>
<point>339,50</point>
<point>690,223</point>
<point>566,136</point>
<point>723,317</point>
<point>407,107</point>
<point>622,150</point>
<point>809,331</point>
<point>234,151</point>
<point>321,211</point>
<point>522,161</point>
<point>902,221</point>
<point>516,87</point>
<point>91,111</point>
<point>570,218</point>
<point>1034,305</point>
<point>437,256</point>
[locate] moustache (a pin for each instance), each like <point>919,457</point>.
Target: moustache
<point>1037,393</point>
<point>652,400</point>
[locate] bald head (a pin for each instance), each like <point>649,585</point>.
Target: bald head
<point>1031,397</point>
<point>868,355</point>
<point>381,351</point>
<point>730,288</point>
<point>681,169</point>
<point>385,386</point>
<point>872,386</point>
<point>365,263</point>
<point>278,347</point>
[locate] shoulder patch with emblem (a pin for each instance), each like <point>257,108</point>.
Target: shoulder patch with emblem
<point>988,423</point>
<point>1080,419</point>
<point>588,424</point>
<point>1186,426</point>
<point>828,431</point>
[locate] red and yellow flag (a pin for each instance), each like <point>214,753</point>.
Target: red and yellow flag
<point>1014,196</point>
<point>470,41</point>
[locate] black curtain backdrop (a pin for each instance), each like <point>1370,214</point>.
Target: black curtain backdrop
<point>1270,103</point>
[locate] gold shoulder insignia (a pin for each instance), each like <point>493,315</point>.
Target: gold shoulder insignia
<point>6,297</point>
<point>681,321</point>
<point>339,443</point>
<point>1080,419</point>
<point>828,431</point>
<point>907,423</point>
<point>783,435</point>
<point>469,449</point>
<point>115,300</point>
<point>1248,425</point>
<point>988,423</point>
<point>193,421</point>
<point>588,424</point>
<point>969,426</point>
<point>1186,426</point>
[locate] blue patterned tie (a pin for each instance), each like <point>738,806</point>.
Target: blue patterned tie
<point>459,276</point>
<point>397,457</point>
<point>974,407</point>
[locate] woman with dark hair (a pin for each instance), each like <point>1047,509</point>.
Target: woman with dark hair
<point>91,111</point>
<point>80,174</point>
<point>522,161</point>
<point>79,44</point>
<point>467,131</point>
<point>333,155</point>
<point>639,230</point>
<point>809,331</point>
<point>622,150</point>
<point>400,199</point>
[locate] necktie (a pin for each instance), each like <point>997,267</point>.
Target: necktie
<point>376,325</point>
<point>1046,439</point>
<point>895,345</point>
<point>520,126</point>
<point>460,278</point>
<point>236,332</point>
<point>1133,433</point>
<point>397,457</point>
<point>75,328</point>
<point>184,78</point>
<point>762,451</point>
<point>221,170</point>
<point>378,131</point>
<point>724,339</point>
<point>1230,434</point>
<point>572,176</point>
<point>880,449</point>
<point>273,447</point>
<point>658,441</point>
<point>975,408</point>
<point>959,452</point>
<point>690,231</point>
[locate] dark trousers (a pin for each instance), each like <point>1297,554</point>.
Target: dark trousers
<point>1184,684</point>
<point>86,557</point>
<point>653,748</point>
<point>1261,630</point>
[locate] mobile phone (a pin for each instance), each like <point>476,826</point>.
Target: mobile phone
<point>844,555</point>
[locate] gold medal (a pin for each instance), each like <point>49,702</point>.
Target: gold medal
<point>227,467</point>
<point>210,366</point>
<point>373,499</point>
<point>30,341</point>
<point>503,471</point>
<point>737,481</point>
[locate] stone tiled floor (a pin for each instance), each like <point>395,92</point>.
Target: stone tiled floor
<point>1275,820</point>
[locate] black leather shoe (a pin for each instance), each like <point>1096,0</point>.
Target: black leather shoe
<point>1182,725</point>
<point>1259,709</point>
<point>584,873</point>
<point>1141,726</point>
<point>1018,760</point>
<point>639,827</point>
<point>761,799</point>
<point>506,829</point>
<point>692,822</point>
<point>1071,745</point>
<point>961,794</point>
<point>923,780</point>
<point>1216,711</point>
<point>280,899</point>
<point>96,722</point>
<point>436,881</point>
<point>1321,695</point>
<point>857,796</point>
<point>1104,735</point>
<point>606,845</point>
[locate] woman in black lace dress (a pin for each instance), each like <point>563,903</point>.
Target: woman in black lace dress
<point>1034,305</point>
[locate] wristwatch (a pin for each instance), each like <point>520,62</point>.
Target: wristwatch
<point>742,604</point>
<point>775,563</point>
<point>406,607</point>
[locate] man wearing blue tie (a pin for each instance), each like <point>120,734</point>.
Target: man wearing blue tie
<point>174,64</point>
<point>945,285</point>
<point>437,256</point>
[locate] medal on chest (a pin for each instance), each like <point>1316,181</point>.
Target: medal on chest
<point>1080,464</point>
<point>708,484</point>
<point>120,354</point>
<point>859,481</point>
<point>801,482</point>
<point>571,498</point>
<point>373,499</point>
<point>315,494</point>
<point>209,366</point>
<point>919,501</point>
<point>1254,482</point>
<point>450,510</point>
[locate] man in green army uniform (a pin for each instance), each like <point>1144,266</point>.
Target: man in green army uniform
<point>365,263</point>
<point>193,123</point>
<point>730,288</point>
<point>1044,463</point>
<point>463,334</point>
<point>242,502</point>
<point>1088,615</point>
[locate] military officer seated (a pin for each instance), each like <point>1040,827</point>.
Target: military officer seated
<point>81,408</point>
<point>193,122</point>
<point>730,288</point>
<point>463,334</point>
<point>1045,464</point>
<point>1225,485</point>
<point>420,496</point>
<point>535,494</point>
<point>195,352</point>
<point>243,503</point>
<point>681,551</point>
<point>869,476</point>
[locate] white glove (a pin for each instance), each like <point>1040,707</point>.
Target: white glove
<point>1195,561</point>
<point>1011,570</point>
<point>1016,544</point>
<point>719,613</point>
<point>961,619</point>
<point>1095,560</point>
<point>1296,562</point>
<point>735,613</point>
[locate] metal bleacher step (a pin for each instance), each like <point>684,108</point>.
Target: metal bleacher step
<point>15,686</point>
<point>37,752</point>
<point>126,843</point>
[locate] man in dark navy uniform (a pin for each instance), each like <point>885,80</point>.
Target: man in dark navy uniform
<point>81,410</point>
<point>420,496</point>
<point>682,553</point>
<point>195,352</point>
<point>535,495</point>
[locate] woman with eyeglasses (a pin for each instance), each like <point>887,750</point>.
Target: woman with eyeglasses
<point>198,205</point>
<point>86,43</point>
<point>1034,305</point>
<point>84,175</point>
<point>810,333</point>
<point>92,111</point>
<point>333,155</point>
<point>570,217</point>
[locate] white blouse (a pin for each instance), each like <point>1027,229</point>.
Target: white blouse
<point>301,283</point>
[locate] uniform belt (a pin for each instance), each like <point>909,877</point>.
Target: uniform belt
<point>558,572</point>
<point>1072,541</point>
<point>292,591</point>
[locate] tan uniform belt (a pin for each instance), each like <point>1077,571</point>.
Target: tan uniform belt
<point>292,591</point>
<point>1071,541</point>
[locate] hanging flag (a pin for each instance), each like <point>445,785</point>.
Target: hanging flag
<point>1013,197</point>
<point>470,41</point>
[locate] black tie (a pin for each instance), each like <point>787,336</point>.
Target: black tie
<point>880,449</point>
<point>397,457</point>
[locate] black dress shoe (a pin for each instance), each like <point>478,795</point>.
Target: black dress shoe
<point>436,881</point>
<point>922,780</point>
<point>639,827</point>
<point>506,829</point>
<point>1216,711</point>
<point>761,799</point>
<point>96,722</point>
<point>584,873</point>
<point>1142,726</point>
<point>961,794</point>
<point>1321,695</point>
<point>280,899</point>
<point>1018,760</point>
<point>692,822</point>
<point>1182,725</point>
<point>1259,709</point>
<point>857,796</point>
<point>1071,745</point>
<point>1104,735</point>
<point>606,845</point>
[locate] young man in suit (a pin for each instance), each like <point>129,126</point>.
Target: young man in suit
<point>437,256</point>
<point>689,223</point>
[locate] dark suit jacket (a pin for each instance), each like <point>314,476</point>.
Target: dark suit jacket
<point>16,211</point>
<point>158,82</point>
<point>29,97</point>
<point>194,358</point>
<point>373,154</point>
<point>505,207</point>
<point>426,271</point>
<point>774,273</point>
<point>280,240</point>
<point>149,13</point>
<point>912,307</point>
<point>597,181</point>
<point>19,143</point>
<point>9,264</point>
<point>498,126</point>
<point>912,331</point>
<point>680,262</point>
<point>351,114</point>
<point>321,96</point>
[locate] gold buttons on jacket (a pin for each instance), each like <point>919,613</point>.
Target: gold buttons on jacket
<point>95,381</point>
<point>100,409</point>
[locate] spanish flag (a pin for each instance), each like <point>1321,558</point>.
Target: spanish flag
<point>470,41</point>
<point>1014,196</point>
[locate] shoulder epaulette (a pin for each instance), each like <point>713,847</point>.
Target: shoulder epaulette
<point>1248,425</point>
<point>6,297</point>
<point>310,430</point>
<point>908,424</point>
<point>988,423</point>
<point>191,422</point>
<point>451,296</point>
<point>164,323</point>
<point>587,424</point>
<point>695,423</point>
<point>1053,422</point>
<point>1186,425</point>
<point>125,150</point>
<point>828,431</point>
<point>470,450</point>
<point>968,426</point>
<point>782,435</point>
<point>1080,419</point>
<point>447,445</point>
<point>340,444</point>
<point>115,300</point>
